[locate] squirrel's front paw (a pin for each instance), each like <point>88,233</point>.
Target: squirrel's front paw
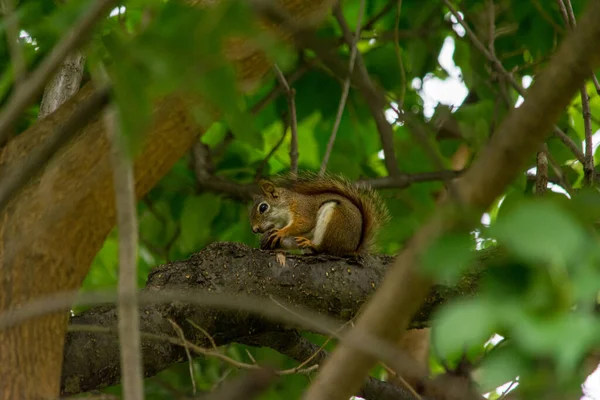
<point>275,237</point>
<point>305,243</point>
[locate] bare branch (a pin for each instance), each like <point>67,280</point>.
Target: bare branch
<point>400,99</point>
<point>294,76</point>
<point>589,168</point>
<point>346,88</point>
<point>405,180</point>
<point>541,174</point>
<point>34,85</point>
<point>180,290</point>
<point>263,164</point>
<point>375,101</point>
<point>293,345</point>
<point>510,78</point>
<point>181,336</point>
<point>596,83</point>
<point>129,317</point>
<point>28,167</point>
<point>371,21</point>
<point>388,312</point>
<point>588,164</point>
<point>293,123</point>
<point>374,97</point>
<point>562,179</point>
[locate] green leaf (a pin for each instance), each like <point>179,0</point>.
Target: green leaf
<point>462,325</point>
<point>449,255</point>
<point>196,219</point>
<point>502,365</point>
<point>540,231</point>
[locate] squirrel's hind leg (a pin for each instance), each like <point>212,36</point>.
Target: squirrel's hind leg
<point>338,229</point>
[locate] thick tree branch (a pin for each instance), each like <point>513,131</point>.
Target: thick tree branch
<point>333,286</point>
<point>34,85</point>
<point>21,173</point>
<point>60,219</point>
<point>388,312</point>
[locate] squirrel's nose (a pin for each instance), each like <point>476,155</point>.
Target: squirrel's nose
<point>254,229</point>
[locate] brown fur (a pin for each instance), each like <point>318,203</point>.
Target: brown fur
<point>355,220</point>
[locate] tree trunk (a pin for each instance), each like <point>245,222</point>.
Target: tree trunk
<point>52,230</point>
<point>56,226</point>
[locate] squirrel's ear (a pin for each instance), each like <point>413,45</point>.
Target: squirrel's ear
<point>268,188</point>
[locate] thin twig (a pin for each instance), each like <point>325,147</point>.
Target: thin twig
<point>195,348</point>
<point>500,69</point>
<point>589,169</point>
<point>250,356</point>
<point>34,85</point>
<point>12,37</point>
<point>508,389</point>
<point>566,9</point>
<point>263,102</point>
<point>265,161</point>
<point>31,165</point>
<point>299,367</point>
<point>400,99</point>
<point>596,83</point>
<point>277,90</point>
<point>293,123</point>
<point>346,87</point>
<point>375,99</point>
<point>571,14</point>
<point>129,317</point>
<point>562,179</point>
<point>541,173</point>
<point>407,385</point>
<point>370,22</point>
<point>492,27</point>
<point>181,335</point>
<point>419,133</point>
<point>208,336</point>
<point>545,15</point>
<point>563,12</point>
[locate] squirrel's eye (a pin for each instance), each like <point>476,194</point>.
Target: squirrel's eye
<point>263,207</point>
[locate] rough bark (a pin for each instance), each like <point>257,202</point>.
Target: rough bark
<point>63,84</point>
<point>333,286</point>
<point>56,225</point>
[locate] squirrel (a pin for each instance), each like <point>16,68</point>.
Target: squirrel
<point>322,214</point>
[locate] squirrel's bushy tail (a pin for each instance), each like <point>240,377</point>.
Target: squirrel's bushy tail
<point>371,205</point>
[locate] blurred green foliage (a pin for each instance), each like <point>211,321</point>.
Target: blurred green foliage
<point>542,299</point>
